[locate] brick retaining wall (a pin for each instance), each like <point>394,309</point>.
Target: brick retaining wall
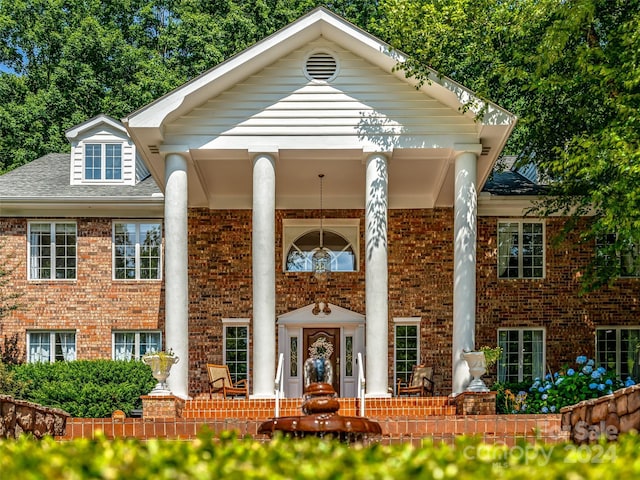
<point>507,429</point>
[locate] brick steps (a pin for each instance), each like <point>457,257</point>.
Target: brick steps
<point>403,407</point>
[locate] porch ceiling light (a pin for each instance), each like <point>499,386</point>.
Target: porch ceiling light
<point>321,259</point>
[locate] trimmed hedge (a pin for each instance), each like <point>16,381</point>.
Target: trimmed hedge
<point>229,457</point>
<point>86,388</point>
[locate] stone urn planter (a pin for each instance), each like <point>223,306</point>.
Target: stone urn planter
<point>477,367</point>
<point>160,363</point>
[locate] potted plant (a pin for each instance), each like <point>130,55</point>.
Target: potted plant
<point>160,363</point>
<point>479,361</point>
<point>491,355</point>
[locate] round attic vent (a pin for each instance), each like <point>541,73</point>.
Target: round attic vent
<point>321,66</point>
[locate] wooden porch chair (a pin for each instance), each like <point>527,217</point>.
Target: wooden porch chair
<point>220,382</point>
<point>420,383</point>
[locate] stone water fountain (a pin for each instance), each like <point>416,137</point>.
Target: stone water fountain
<point>319,408</point>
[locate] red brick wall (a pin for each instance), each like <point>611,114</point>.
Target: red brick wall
<point>220,285</point>
<point>554,302</point>
<point>93,304</point>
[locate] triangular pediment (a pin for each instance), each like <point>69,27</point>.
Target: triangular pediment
<point>98,123</point>
<point>319,23</point>
<point>305,315</point>
<point>263,100</point>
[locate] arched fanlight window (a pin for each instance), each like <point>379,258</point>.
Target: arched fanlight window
<point>300,253</point>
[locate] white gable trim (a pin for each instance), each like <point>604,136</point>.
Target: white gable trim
<point>92,123</point>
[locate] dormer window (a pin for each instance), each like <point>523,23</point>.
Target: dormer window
<point>103,154</point>
<point>103,161</point>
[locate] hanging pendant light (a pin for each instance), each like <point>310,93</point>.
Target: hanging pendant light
<point>321,259</point>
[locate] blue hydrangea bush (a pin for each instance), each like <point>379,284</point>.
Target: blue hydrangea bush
<point>568,386</point>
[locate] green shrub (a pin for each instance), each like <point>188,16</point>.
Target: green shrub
<point>568,386</point>
<point>9,385</point>
<point>232,458</point>
<point>86,388</point>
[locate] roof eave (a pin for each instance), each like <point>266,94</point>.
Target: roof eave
<point>491,205</point>
<point>83,206</point>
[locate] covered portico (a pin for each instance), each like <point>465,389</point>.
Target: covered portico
<point>255,132</point>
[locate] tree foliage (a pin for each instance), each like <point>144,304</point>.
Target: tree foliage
<point>593,53</point>
<point>570,71</point>
<point>62,62</point>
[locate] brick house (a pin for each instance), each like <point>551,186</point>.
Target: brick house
<point>193,225</point>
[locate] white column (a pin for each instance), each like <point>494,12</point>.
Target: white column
<point>464,258</point>
<point>376,277</point>
<point>176,263</point>
<point>264,276</point>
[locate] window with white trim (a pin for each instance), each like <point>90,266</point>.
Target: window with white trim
<point>51,346</point>
<point>236,347</point>
<point>103,161</point>
<point>523,354</point>
<point>52,250</point>
<point>133,344</point>
<point>302,240</point>
<point>521,249</point>
<point>137,248</point>
<point>406,352</point>
<point>617,348</point>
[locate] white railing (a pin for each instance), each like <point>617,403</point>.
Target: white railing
<point>361,383</point>
<point>279,387</point>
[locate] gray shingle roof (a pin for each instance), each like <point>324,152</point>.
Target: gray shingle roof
<point>48,177</point>
<point>512,183</point>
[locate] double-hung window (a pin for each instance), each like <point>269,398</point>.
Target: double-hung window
<point>52,250</point>
<point>618,348</point>
<point>523,354</point>
<point>103,161</point>
<point>520,249</point>
<point>407,346</point>
<point>236,347</point>
<point>132,345</point>
<point>51,346</point>
<point>137,248</point>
